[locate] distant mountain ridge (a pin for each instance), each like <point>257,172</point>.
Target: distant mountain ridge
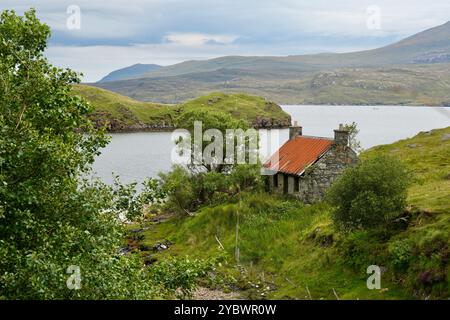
<point>387,75</point>
<point>135,71</point>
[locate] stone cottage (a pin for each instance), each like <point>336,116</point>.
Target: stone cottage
<point>306,166</point>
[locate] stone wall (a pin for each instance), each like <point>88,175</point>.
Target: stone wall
<point>314,183</point>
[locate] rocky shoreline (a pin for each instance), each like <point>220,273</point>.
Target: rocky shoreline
<point>117,126</point>
<point>133,129</point>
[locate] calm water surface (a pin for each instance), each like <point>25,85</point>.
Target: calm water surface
<point>134,156</point>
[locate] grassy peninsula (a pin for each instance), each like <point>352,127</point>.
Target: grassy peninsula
<point>121,113</point>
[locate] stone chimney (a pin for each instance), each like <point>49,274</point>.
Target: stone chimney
<point>295,131</point>
<point>341,135</point>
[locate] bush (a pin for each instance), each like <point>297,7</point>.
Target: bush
<point>400,251</point>
<point>130,203</point>
<point>187,191</point>
<point>370,195</point>
<point>181,190</point>
<point>246,177</point>
<point>180,275</point>
<point>361,249</point>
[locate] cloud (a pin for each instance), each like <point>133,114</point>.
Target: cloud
<point>132,21</point>
<point>198,39</point>
<point>117,33</point>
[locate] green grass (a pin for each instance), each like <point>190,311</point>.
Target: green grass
<point>428,235</point>
<point>277,249</point>
<point>292,248</point>
<point>115,107</point>
<point>253,109</point>
<point>428,157</point>
<point>125,112</point>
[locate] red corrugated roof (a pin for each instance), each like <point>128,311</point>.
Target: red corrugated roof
<point>297,154</point>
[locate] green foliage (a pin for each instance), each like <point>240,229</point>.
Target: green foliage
<point>370,195</point>
<point>50,219</point>
<point>215,187</point>
<point>210,119</point>
<point>419,255</point>
<point>126,201</point>
<point>430,162</point>
<point>400,251</point>
<point>417,261</point>
<point>361,249</point>
<point>152,193</point>
<point>246,177</point>
<point>425,265</point>
<point>180,275</point>
<point>276,248</point>
<point>187,191</point>
<point>210,152</point>
<point>181,191</point>
<point>131,203</point>
<point>353,142</point>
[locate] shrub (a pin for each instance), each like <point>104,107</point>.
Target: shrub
<point>370,195</point>
<point>181,191</point>
<point>361,249</point>
<point>187,191</point>
<point>180,275</point>
<point>246,177</point>
<point>131,203</point>
<point>400,252</point>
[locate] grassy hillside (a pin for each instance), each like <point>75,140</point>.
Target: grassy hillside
<point>291,251</point>
<point>395,85</point>
<point>122,113</point>
<point>428,157</point>
<point>257,111</point>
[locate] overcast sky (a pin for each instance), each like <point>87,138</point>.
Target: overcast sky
<point>115,34</point>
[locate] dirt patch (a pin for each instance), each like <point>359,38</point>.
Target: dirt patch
<point>203,293</point>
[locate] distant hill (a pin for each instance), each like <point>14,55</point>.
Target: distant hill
<point>389,85</point>
<point>435,40</point>
<point>412,71</point>
<point>120,113</point>
<point>134,71</point>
